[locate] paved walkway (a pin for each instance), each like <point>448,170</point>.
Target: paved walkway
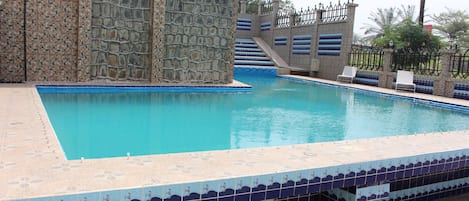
<point>32,163</point>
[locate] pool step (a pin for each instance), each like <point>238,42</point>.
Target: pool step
<point>249,55</point>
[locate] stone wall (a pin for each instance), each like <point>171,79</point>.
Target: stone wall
<point>121,39</point>
<point>11,41</point>
<point>199,40</point>
<point>157,41</point>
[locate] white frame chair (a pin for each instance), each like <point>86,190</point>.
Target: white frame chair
<point>405,80</point>
<point>348,74</point>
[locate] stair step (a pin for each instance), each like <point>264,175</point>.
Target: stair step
<point>239,49</point>
<point>252,66</point>
<point>256,63</point>
<point>246,45</point>
<point>247,41</point>
<point>259,58</point>
<point>258,54</point>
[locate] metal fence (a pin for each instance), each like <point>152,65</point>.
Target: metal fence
<point>333,13</point>
<point>304,17</point>
<point>367,58</point>
<point>267,8</point>
<point>282,19</point>
<point>421,62</point>
<point>460,65</point>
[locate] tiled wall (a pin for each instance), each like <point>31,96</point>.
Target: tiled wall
<point>369,175</point>
<point>11,41</point>
<point>51,35</point>
<point>180,41</point>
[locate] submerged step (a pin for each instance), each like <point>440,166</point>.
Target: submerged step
<point>257,63</point>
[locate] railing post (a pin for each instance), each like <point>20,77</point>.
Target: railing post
<point>319,13</point>
<point>387,76</point>
<point>443,85</point>
<point>275,6</point>
<point>243,6</point>
<point>259,7</point>
<point>292,18</point>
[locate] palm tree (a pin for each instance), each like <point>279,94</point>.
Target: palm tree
<point>383,19</point>
<point>407,13</point>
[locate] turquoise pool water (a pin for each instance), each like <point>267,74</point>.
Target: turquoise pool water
<point>276,112</point>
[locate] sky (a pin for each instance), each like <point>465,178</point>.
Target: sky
<point>365,7</point>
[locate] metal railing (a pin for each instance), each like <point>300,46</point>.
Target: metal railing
<point>304,17</point>
<point>282,19</point>
<point>334,13</point>
<point>267,7</point>
<point>460,65</point>
<point>367,58</point>
<point>421,62</point>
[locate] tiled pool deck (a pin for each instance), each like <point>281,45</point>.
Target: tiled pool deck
<point>32,164</point>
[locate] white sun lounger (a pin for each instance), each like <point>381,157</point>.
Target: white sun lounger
<point>348,74</point>
<point>405,80</point>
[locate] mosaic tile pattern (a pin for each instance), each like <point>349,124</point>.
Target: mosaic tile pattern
<point>158,41</point>
<point>11,41</point>
<point>121,39</point>
<point>84,41</point>
<point>432,192</point>
<point>297,183</point>
<point>52,45</point>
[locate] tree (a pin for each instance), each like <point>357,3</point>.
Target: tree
<point>383,19</point>
<point>453,25</point>
<point>409,35</point>
<point>407,13</point>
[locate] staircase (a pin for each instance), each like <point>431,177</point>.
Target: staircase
<point>248,55</point>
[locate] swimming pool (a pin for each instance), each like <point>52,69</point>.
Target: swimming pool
<point>277,112</point>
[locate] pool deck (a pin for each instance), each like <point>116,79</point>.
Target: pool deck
<point>32,163</point>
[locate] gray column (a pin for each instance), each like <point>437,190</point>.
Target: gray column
<point>387,76</point>
<point>276,6</point>
<point>243,6</point>
<point>259,7</point>
<point>158,41</point>
<point>443,85</point>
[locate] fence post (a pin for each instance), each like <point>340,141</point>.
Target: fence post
<point>243,7</point>
<point>387,76</point>
<point>276,6</point>
<point>443,85</point>
<point>259,7</point>
<point>319,13</point>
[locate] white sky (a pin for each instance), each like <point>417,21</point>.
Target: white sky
<point>365,7</point>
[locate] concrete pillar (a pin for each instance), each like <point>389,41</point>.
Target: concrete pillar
<point>84,41</point>
<point>443,86</point>
<point>387,76</point>
<point>243,6</point>
<point>276,6</point>
<point>259,7</point>
<point>158,41</point>
<point>319,13</point>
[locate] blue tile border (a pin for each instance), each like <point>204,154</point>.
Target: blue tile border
<point>116,89</point>
<point>266,71</point>
<point>429,103</point>
<point>295,183</point>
